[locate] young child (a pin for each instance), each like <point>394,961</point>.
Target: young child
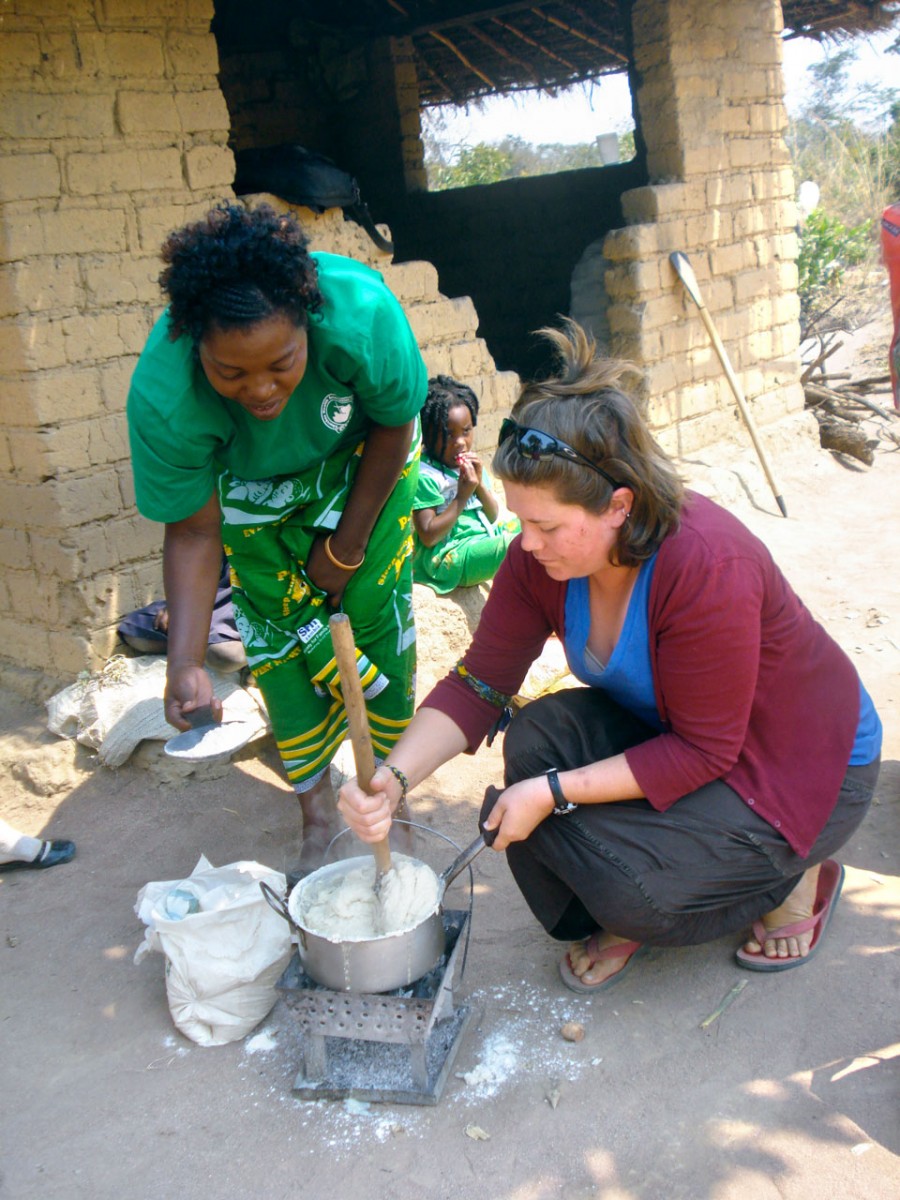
<point>459,541</point>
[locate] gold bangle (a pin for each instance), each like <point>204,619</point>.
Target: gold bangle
<point>337,562</point>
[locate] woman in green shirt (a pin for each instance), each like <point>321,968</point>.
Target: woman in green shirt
<point>274,411</point>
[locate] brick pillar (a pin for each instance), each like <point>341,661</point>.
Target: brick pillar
<point>113,131</point>
<point>711,102</point>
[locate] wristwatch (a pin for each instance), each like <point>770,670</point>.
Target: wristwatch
<point>561,806</point>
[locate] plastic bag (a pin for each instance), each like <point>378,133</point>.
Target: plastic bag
<point>225,947</point>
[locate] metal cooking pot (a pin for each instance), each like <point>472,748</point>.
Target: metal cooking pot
<point>377,964</point>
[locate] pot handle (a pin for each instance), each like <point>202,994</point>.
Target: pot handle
<point>459,864</point>
<point>275,901</point>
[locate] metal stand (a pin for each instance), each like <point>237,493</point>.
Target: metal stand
<point>396,1047</point>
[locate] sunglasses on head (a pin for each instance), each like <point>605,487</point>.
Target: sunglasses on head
<point>539,446</point>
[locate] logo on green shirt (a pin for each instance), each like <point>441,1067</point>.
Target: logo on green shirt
<point>336,411</point>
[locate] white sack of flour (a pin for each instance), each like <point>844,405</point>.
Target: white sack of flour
<point>225,947</point>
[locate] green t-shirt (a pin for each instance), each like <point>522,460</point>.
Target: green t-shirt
<point>363,367</point>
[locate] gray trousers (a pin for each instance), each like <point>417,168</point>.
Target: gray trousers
<point>707,867</point>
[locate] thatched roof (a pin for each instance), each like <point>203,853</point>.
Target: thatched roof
<point>465,49</point>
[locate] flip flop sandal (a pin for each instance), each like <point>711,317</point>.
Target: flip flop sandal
<point>830,882</point>
<point>627,950</point>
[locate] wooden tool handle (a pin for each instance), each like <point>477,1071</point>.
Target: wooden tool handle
<point>355,704</point>
<point>685,272</point>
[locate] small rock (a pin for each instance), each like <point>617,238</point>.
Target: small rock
<point>12,941</point>
<point>477,1134</point>
<point>572,1031</point>
<point>553,1097</point>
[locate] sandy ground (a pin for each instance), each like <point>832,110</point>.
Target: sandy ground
<point>791,1092</point>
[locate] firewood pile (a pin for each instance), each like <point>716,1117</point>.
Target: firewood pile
<point>845,408</point>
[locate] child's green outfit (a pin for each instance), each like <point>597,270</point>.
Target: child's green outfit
<point>473,549</point>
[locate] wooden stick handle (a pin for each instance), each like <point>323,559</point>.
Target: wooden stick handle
<point>685,273</point>
<point>355,704</point>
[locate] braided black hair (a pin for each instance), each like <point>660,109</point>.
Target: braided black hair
<point>235,268</point>
<point>444,393</point>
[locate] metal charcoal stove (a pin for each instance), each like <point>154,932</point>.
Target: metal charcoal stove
<point>391,1047</point>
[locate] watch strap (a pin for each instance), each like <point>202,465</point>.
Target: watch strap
<point>561,806</point>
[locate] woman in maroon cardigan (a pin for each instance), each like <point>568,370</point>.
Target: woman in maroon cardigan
<point>723,748</point>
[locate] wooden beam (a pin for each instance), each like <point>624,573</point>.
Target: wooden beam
<point>470,66</point>
<point>503,53</point>
<point>531,42</point>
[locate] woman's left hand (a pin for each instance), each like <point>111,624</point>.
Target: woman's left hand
<point>519,810</point>
<point>325,575</point>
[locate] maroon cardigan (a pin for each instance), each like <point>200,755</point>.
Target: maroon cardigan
<point>749,687</point>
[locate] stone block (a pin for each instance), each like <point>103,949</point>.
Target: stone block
<point>132,538</point>
<point>114,379</point>
<point>40,285</point>
<point>713,226</point>
<point>634,242</point>
<point>730,122</point>
<point>114,279</point>
<point>203,110</point>
<point>729,260</point>
<point>20,55</point>
<point>15,550</point>
<point>32,643</point>
<point>681,404</point>
<point>121,55</point>
<point>38,232</point>
<point>156,221</point>
<point>147,112</point>
<point>209,167</point>
<point>785,308</point>
<point>55,556</point>
<point>62,503</point>
<point>33,596</point>
<point>28,453</point>
<point>28,176</point>
<point>124,171</point>
<point>445,320</point>
<point>37,115</point>
<point>32,344</point>
<point>93,337</point>
<point>411,281</point>
<point>108,439</point>
<point>192,54</point>
<point>748,154</point>
<point>750,221</point>
<point>701,160</point>
<point>125,481</point>
<point>768,118</point>
<point>71,654</point>
<point>729,190</point>
<point>141,13</point>
<point>469,359</point>
<point>647,278</point>
<point>750,284</point>
<point>437,359</point>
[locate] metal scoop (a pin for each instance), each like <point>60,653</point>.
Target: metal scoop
<point>208,738</point>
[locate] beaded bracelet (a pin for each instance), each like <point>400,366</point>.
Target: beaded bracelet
<point>401,779</point>
<point>337,562</point>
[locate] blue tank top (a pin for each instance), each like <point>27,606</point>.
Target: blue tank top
<point>628,676</point>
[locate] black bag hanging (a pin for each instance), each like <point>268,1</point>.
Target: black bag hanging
<point>303,177</point>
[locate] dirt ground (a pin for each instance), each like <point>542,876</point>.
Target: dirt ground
<point>791,1092</point>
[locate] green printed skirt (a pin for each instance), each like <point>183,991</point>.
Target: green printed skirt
<point>268,527</point>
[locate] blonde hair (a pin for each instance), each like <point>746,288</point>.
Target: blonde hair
<point>584,405</point>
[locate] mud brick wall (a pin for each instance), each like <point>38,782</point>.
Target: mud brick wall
<point>113,131</point>
<point>711,99</point>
